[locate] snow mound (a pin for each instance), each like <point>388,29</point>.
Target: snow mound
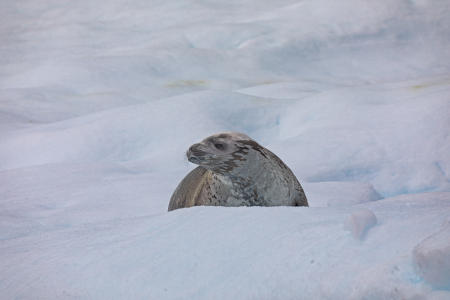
<point>359,222</point>
<point>432,258</point>
<point>129,133</point>
<point>387,121</point>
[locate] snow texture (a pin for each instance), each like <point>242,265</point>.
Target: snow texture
<point>339,193</point>
<point>359,222</point>
<point>432,258</point>
<point>100,101</point>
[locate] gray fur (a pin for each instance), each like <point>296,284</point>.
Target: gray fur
<point>234,170</point>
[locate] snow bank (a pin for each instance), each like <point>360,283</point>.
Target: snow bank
<point>223,253</point>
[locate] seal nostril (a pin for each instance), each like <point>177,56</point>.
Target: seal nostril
<point>194,154</point>
<point>195,150</point>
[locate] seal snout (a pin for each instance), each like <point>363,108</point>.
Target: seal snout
<point>195,154</point>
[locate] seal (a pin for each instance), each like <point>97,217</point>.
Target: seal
<point>234,170</point>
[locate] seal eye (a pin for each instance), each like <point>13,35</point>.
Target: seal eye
<point>219,146</point>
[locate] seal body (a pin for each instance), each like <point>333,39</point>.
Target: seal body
<point>234,170</point>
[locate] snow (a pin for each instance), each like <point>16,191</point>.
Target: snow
<point>359,222</point>
<point>432,257</point>
<point>339,193</point>
<point>99,102</point>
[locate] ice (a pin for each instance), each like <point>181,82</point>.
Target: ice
<point>100,101</point>
<point>432,257</point>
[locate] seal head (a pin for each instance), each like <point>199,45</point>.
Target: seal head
<point>220,153</point>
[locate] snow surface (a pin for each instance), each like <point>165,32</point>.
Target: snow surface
<point>99,101</point>
<point>432,257</point>
<point>359,222</point>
